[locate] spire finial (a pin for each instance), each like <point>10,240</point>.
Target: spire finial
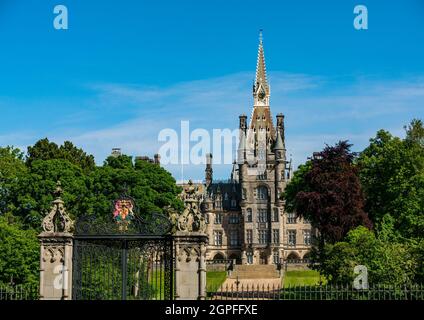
<point>261,70</point>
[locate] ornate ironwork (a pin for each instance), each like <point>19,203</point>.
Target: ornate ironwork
<point>123,256</point>
<point>140,269</point>
<point>124,219</point>
<point>154,224</point>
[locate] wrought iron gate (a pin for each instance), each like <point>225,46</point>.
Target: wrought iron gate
<point>115,260</point>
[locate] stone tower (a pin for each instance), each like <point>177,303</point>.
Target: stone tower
<point>262,165</point>
<point>245,217</point>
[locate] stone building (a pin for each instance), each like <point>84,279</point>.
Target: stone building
<point>245,216</point>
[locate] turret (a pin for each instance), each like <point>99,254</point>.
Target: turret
<point>208,170</point>
<point>279,148</point>
<point>242,147</point>
<point>280,160</point>
<point>243,122</point>
<point>280,125</point>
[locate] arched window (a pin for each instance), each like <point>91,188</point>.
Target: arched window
<point>293,257</point>
<point>218,256</point>
<point>306,257</point>
<point>262,193</point>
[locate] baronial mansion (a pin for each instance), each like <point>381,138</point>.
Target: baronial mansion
<point>245,216</point>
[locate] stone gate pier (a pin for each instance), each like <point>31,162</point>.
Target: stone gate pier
<point>56,245</point>
<point>190,249</point>
<point>190,266</point>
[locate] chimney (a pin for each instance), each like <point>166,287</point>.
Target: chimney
<point>116,152</point>
<point>157,158</point>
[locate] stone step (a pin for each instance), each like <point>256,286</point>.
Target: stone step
<point>255,272</point>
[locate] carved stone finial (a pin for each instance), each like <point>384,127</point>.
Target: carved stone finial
<point>57,220</point>
<point>59,191</point>
<point>191,219</point>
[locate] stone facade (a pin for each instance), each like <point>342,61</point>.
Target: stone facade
<point>245,216</point>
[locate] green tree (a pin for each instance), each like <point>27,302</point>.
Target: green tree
<point>19,254</point>
<point>388,263</point>
<point>46,150</point>
<point>392,176</point>
<point>151,186</point>
<point>327,192</point>
<point>296,185</point>
<point>120,162</point>
<point>12,167</point>
<point>33,192</point>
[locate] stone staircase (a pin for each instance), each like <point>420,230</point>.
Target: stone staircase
<point>261,271</point>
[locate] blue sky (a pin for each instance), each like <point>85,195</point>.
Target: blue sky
<point>125,69</point>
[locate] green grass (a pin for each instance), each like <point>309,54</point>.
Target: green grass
<point>214,279</point>
<point>302,277</point>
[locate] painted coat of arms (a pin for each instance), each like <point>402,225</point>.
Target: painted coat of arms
<point>123,212</point>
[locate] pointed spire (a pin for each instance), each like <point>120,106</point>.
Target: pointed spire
<point>261,79</point>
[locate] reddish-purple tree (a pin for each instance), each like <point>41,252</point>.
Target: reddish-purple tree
<point>331,197</point>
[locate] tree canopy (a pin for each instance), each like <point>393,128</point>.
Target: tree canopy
<point>19,253</point>
<point>388,263</point>
<point>45,150</point>
<point>12,167</point>
<point>27,185</point>
<point>392,175</point>
<point>326,191</point>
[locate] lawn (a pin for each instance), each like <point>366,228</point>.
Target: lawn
<point>302,277</point>
<point>214,279</point>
